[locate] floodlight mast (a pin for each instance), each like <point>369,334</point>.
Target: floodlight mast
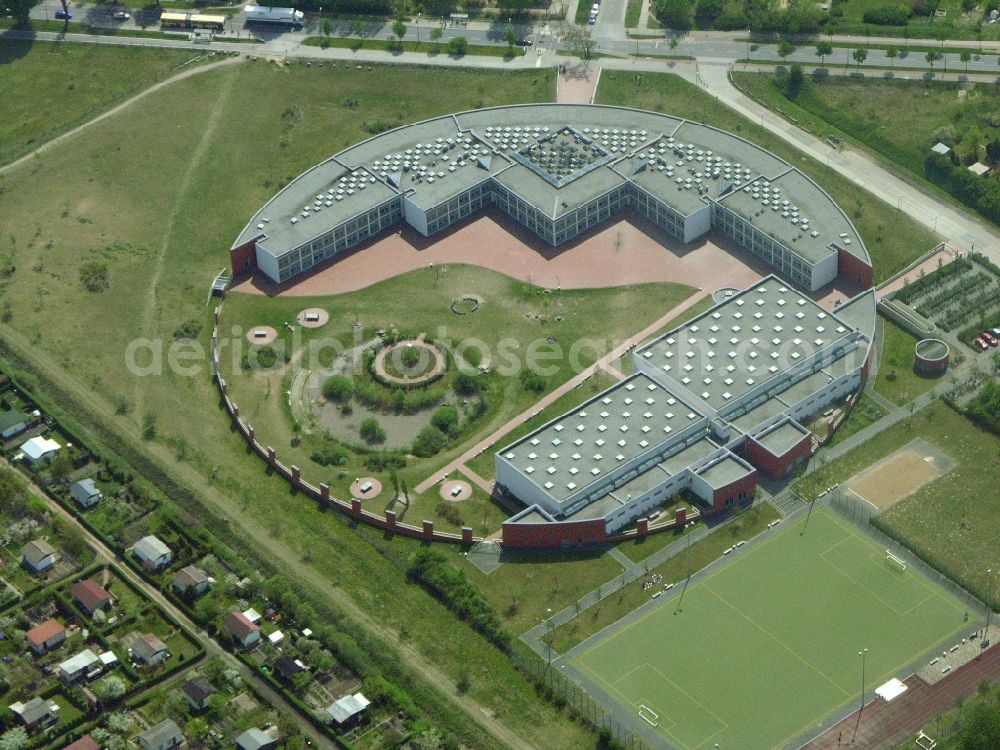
<point>863,653</point>
<point>989,603</point>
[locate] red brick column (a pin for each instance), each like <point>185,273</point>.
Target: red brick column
<point>296,474</point>
<point>250,432</point>
<point>466,535</point>
<point>355,506</point>
<point>680,516</point>
<point>642,527</point>
<point>428,529</point>
<point>390,519</point>
<point>236,411</point>
<point>271,455</point>
<point>324,491</point>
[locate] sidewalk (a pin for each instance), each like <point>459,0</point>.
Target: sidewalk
<point>556,394</point>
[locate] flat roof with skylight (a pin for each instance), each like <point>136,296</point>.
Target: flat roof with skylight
<point>581,447</point>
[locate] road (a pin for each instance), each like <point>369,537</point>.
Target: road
<point>106,555</point>
<point>608,32</point>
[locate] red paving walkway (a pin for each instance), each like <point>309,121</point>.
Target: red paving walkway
<point>884,725</point>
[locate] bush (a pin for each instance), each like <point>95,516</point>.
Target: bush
<point>466,384</point>
<point>371,431</point>
<point>984,409</point>
<point>457,45</point>
<point>338,388</point>
<point>532,381</point>
<point>94,276</point>
<point>706,11</point>
<point>793,86</point>
<point>429,442</point>
<point>674,14</point>
<point>432,570</point>
<point>263,358</point>
<point>331,455</point>
<point>385,460</point>
<point>189,329</point>
<point>446,420</point>
<point>887,15</point>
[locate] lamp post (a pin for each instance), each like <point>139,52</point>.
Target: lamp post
<point>863,653</point>
<point>989,603</point>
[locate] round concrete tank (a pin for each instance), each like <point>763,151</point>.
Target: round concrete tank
<point>721,295</point>
<point>932,356</point>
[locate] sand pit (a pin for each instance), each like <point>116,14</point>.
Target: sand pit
<point>455,490</point>
<point>261,335</point>
<point>313,317</point>
<point>365,488</point>
<point>900,475</point>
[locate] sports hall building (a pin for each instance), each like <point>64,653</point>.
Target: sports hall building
<point>558,170</point>
<point>711,404</point>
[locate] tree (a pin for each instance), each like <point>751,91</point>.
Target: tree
<point>980,728</point>
<point>446,419</point>
<point>327,28</point>
<point>439,8</point>
<point>675,14</point>
<point>706,11</point>
<point>822,50</point>
<point>14,739</point>
<point>795,80</point>
<point>674,41</point>
<point>965,56</point>
<point>429,739</point>
<point>579,40</point>
<point>891,53</point>
<point>436,33</point>
<point>371,431</point>
<point>785,49</point>
<point>860,55</point>
<point>429,442</point>
<point>111,688</point>
<point>61,466</point>
<point>22,12</point>
<point>930,57</point>
<point>511,37</point>
<point>457,45</point>
<point>338,388</point>
<point>196,729</point>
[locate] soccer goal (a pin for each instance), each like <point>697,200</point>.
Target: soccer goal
<point>895,560</point>
<point>649,715</point>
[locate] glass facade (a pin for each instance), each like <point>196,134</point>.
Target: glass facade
<point>789,264</point>
<point>340,238</point>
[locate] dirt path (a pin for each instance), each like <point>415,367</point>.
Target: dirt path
<point>119,107</point>
<point>614,354</point>
<point>283,556</point>
<point>106,555</point>
<point>197,159</point>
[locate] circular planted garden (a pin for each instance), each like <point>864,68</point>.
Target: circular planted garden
<point>410,362</point>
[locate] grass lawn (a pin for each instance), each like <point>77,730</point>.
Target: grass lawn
<point>893,240</point>
<point>514,311</point>
<point>903,133</point>
<point>865,413</point>
<point>615,606</point>
<point>954,520</point>
<point>485,465</point>
<point>524,589</point>
<point>897,378</point>
<point>48,88</point>
<point>164,240</point>
<point>632,12</point>
<point>431,48</point>
<point>792,613</point>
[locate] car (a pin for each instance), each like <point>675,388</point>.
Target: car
<point>121,15</point>
<point>524,43</point>
<point>593,19</point>
<point>995,332</point>
<point>990,339</point>
<point>63,15</point>
<point>981,344</point>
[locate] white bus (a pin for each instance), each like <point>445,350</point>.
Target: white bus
<point>265,14</point>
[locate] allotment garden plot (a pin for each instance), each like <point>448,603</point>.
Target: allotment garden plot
<point>766,648</point>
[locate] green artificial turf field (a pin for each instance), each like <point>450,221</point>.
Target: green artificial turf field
<point>767,646</point>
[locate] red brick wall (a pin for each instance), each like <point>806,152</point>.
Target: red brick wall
<point>554,534</point>
<point>776,466</point>
<point>244,257</point>
<point>747,484</point>
<point>853,269</point>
